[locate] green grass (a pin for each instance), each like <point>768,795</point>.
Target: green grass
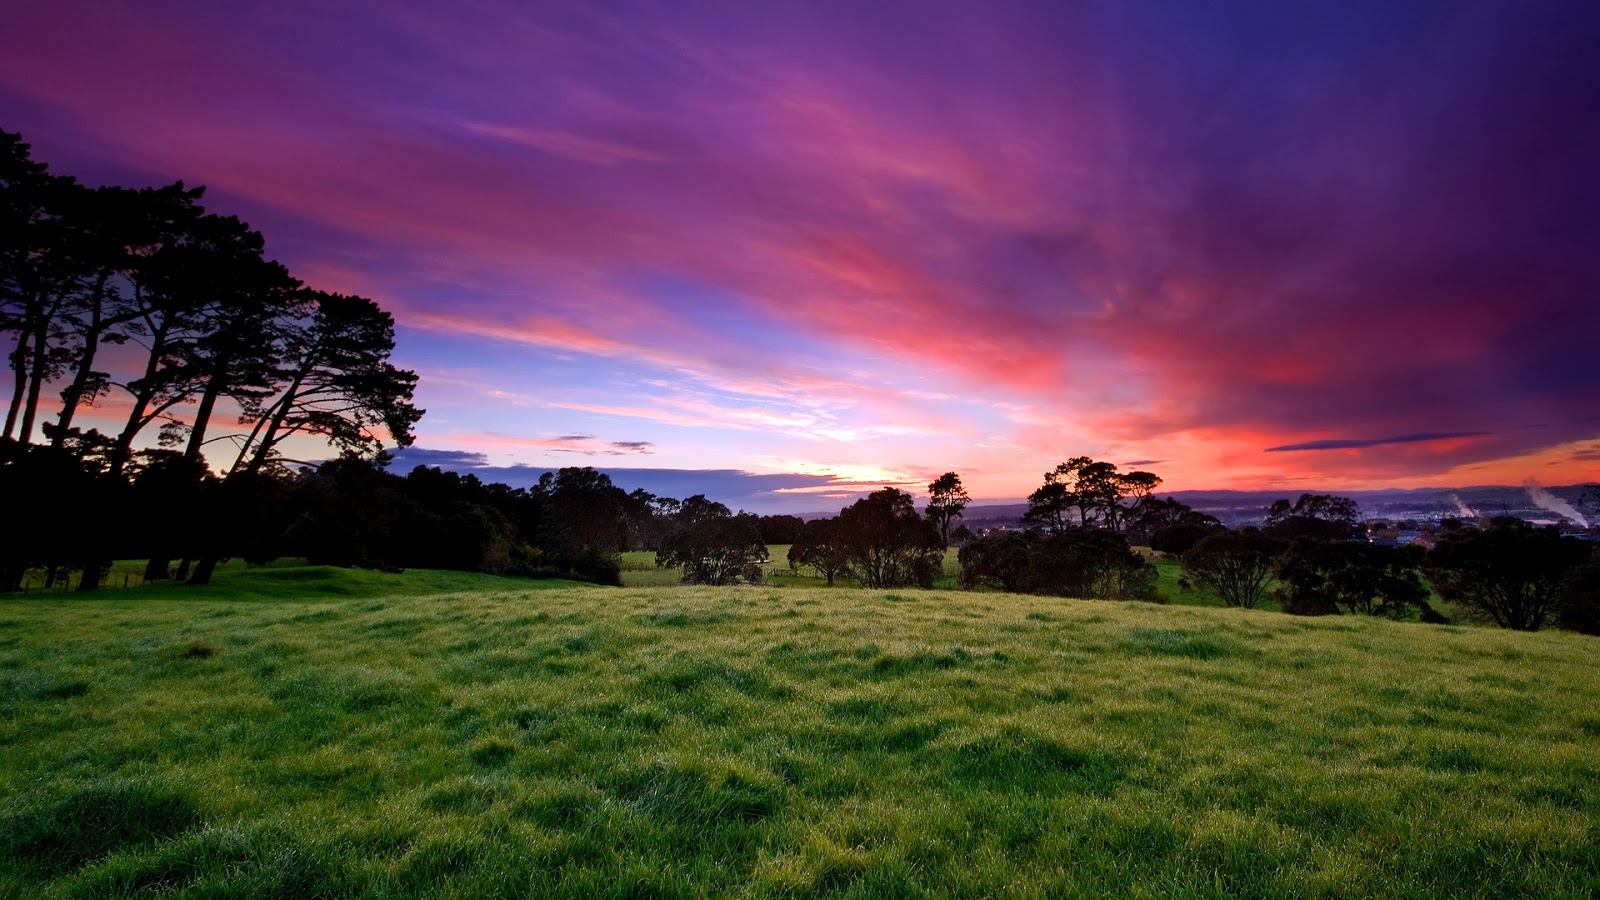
<point>639,570</point>
<point>327,733</point>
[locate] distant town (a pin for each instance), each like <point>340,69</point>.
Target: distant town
<point>1395,517</point>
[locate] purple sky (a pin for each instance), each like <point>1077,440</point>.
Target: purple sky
<point>1256,245</point>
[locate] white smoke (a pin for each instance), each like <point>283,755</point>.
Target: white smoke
<point>1466,511</point>
<point>1546,500</point>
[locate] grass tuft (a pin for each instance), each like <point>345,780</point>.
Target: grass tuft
<point>94,820</point>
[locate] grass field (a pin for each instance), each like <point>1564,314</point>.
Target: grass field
<point>315,732</point>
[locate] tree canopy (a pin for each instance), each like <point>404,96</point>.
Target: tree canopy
<point>946,499</point>
<point>889,544</point>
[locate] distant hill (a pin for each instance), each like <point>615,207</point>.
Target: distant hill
<point>1553,505</point>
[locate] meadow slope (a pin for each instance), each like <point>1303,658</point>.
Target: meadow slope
<point>322,733</point>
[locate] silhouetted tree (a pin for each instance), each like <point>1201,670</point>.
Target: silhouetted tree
<point>336,382</point>
<point>781,529</point>
<point>946,499</point>
<point>1321,517</point>
<point>998,559</point>
<point>1580,597</point>
<point>1177,539</point>
<point>889,544</point>
<point>1095,490</point>
<point>698,509</point>
<point>1322,577</point>
<point>1512,576</point>
<point>820,546</point>
<point>715,549</point>
<point>1237,565</point>
<point>1089,563</point>
<point>1152,514</point>
<point>39,276</point>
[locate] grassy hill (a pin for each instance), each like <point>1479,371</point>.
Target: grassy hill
<point>315,732</point>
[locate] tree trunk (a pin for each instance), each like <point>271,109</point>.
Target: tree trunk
<point>91,576</point>
<point>73,395</point>
<point>202,415</point>
<point>36,377</point>
<point>202,571</point>
<point>19,377</point>
<point>141,400</point>
<point>158,569</point>
<point>183,570</point>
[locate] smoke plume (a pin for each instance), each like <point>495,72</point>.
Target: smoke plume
<point>1466,511</point>
<point>1546,500</point>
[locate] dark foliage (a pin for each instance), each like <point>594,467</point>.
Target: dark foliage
<point>820,546</point>
<point>1082,492</point>
<point>1177,539</point>
<point>947,497</point>
<point>1091,563</point>
<point>1320,517</point>
<point>719,549</point>
<point>1323,577</point>
<point>998,559</point>
<point>1512,576</point>
<point>1580,597</point>
<point>1152,515</point>
<point>889,544</point>
<point>781,529</point>
<point>1237,565</point>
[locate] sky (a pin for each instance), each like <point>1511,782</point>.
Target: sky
<point>790,251</point>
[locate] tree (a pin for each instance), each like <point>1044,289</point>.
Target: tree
<point>1322,517</point>
<point>1512,576</point>
<point>1048,506</point>
<point>38,276</point>
<point>1095,490</point>
<point>998,559</point>
<point>1237,565</point>
<point>1321,577</point>
<point>819,546</point>
<point>716,549</point>
<point>247,309</point>
<point>581,508</point>
<point>946,499</point>
<point>337,383</point>
<point>1090,563</point>
<point>1177,539</point>
<point>113,232</point>
<point>1580,597</point>
<point>699,509</point>
<point>781,529</point>
<point>889,544</point>
<point>1150,515</point>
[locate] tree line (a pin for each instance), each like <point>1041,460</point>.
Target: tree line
<point>146,305</point>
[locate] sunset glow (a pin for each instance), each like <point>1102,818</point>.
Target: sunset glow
<point>839,245</point>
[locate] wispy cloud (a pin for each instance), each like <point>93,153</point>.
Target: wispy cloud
<point>1356,443</point>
